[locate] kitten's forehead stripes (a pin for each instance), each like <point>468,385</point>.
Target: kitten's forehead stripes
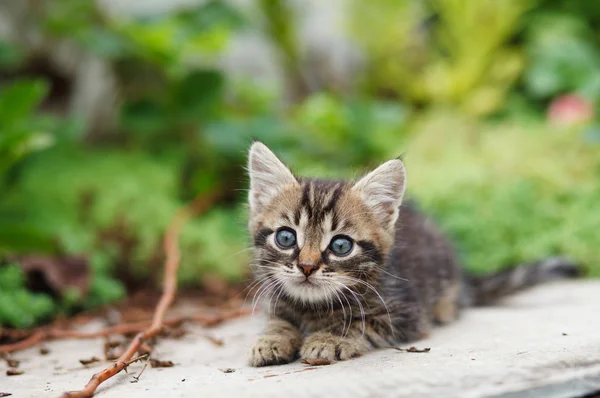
<point>319,198</point>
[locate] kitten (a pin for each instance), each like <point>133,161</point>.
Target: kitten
<point>348,269</point>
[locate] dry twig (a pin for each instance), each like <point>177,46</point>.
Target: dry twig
<point>169,289</point>
<point>137,378</point>
<point>40,335</point>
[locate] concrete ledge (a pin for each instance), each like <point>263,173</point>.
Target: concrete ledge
<point>542,343</point>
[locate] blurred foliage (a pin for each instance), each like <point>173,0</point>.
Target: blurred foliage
<point>461,86</point>
<point>21,130</point>
<point>565,57</point>
<point>449,52</point>
<point>19,307</point>
<point>511,193</point>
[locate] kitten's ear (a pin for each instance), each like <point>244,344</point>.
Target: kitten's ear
<point>382,190</point>
<point>267,176</point>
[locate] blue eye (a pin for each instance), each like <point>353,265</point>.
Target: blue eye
<point>285,238</point>
<point>340,245</point>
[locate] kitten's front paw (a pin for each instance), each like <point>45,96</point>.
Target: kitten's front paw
<point>272,350</point>
<point>332,347</point>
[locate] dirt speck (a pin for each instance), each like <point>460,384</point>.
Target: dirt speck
<point>227,370</point>
<point>215,340</point>
<point>89,361</point>
<point>316,361</point>
<point>413,349</point>
<point>155,363</point>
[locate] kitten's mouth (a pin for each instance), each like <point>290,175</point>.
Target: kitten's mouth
<point>307,283</point>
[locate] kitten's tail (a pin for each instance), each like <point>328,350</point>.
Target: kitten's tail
<point>487,288</point>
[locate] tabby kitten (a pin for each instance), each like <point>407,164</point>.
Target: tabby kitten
<point>347,269</point>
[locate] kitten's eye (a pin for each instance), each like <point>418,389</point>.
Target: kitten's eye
<point>340,245</point>
<point>285,238</point>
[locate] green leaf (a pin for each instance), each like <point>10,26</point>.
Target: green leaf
<point>11,278</point>
<point>145,116</point>
<point>19,99</point>
<point>106,43</point>
<point>198,93</point>
<point>210,15</point>
<point>10,55</point>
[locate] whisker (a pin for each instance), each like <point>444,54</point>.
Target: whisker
<point>344,330</point>
<point>369,286</point>
<point>360,306</point>
<point>265,287</point>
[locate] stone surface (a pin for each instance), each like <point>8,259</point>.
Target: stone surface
<point>541,343</point>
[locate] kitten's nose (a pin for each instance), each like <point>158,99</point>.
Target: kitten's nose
<point>308,269</point>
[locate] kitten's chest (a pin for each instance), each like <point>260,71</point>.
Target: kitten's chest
<point>332,317</point>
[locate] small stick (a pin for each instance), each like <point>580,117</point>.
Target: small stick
<point>30,341</point>
<point>170,288</point>
<point>135,327</point>
<point>137,378</point>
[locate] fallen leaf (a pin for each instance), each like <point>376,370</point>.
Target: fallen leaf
<point>155,363</point>
<point>89,361</point>
<point>14,372</point>
<point>111,355</point>
<point>111,352</point>
<point>316,361</point>
<point>415,349</point>
<point>56,275</point>
<point>412,349</point>
<point>227,370</point>
<point>111,344</point>
<point>5,394</point>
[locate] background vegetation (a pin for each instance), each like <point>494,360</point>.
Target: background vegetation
<point>493,102</point>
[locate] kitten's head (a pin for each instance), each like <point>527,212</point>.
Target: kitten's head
<point>313,238</point>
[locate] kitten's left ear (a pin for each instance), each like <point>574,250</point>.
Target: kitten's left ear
<point>382,190</point>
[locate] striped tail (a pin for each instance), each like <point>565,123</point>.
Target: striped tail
<point>486,289</point>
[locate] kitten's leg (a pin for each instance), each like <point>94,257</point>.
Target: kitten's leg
<point>278,345</point>
<point>336,343</point>
<point>447,307</point>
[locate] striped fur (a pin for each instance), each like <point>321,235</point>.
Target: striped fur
<point>400,277</point>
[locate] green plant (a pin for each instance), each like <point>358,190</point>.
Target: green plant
<point>564,57</point>
<point>448,52</point>
<point>22,131</point>
<point>508,194</point>
<point>19,307</point>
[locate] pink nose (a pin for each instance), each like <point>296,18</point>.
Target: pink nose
<point>308,269</point>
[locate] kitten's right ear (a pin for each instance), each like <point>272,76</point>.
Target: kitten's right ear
<point>383,189</point>
<point>268,175</point>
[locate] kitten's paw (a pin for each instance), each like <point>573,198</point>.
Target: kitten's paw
<point>272,350</point>
<point>332,347</point>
